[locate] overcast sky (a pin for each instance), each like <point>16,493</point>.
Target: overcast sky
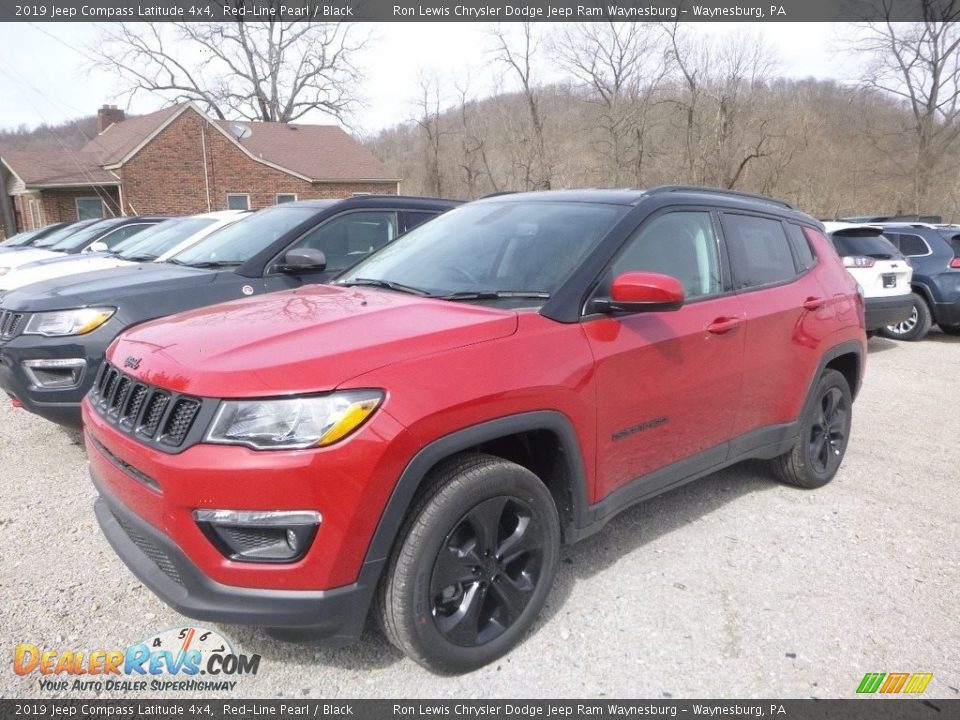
<point>44,78</point>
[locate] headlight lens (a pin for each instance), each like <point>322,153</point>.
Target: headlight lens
<point>293,423</point>
<point>68,322</point>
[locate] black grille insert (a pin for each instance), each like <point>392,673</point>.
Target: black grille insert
<point>10,323</point>
<point>138,408</point>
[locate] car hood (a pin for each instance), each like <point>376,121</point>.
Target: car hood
<point>307,340</point>
<point>16,259</point>
<point>105,286</point>
<point>58,268</point>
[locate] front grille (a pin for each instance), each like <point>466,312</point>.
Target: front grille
<point>143,410</point>
<point>153,551</point>
<point>10,324</point>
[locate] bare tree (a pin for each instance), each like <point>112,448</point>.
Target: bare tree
<point>919,63</point>
<point>270,71</point>
<point>428,119</point>
<point>519,56</point>
<point>622,64</point>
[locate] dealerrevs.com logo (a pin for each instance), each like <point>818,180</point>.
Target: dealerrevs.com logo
<point>186,659</point>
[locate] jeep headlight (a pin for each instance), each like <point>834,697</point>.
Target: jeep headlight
<point>62,323</point>
<point>293,423</point>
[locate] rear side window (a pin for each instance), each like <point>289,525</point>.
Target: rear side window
<point>759,250</point>
<point>911,245</point>
<point>801,247</point>
<point>853,243</point>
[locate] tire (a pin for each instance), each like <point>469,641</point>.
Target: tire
<point>950,329</point>
<point>443,602</point>
<point>914,327</point>
<point>816,455</point>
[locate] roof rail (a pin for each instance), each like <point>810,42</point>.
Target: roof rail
<point>719,191</point>
<point>926,219</point>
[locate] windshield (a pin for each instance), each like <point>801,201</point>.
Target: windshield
<point>82,238</point>
<point>237,243</point>
<point>154,242</point>
<point>58,235</point>
<point>864,243</point>
<point>491,247</point>
<point>20,238</point>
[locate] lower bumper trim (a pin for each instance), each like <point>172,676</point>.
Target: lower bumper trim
<point>334,617</point>
<point>880,312</point>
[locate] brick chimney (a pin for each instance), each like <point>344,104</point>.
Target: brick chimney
<point>107,116</point>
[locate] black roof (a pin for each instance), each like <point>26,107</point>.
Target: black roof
<point>402,201</point>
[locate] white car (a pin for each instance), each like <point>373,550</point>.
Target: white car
<point>158,243</point>
<point>882,271</point>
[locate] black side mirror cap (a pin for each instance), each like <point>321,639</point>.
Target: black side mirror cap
<point>302,260</point>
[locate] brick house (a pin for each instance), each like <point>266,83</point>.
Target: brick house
<point>178,161</point>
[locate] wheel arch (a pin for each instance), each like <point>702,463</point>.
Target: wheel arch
<point>848,359</point>
<point>506,437</point>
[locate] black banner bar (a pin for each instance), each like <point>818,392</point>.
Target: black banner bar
<point>470,10</point>
<point>858,709</point>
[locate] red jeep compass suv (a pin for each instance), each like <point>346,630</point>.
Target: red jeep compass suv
<point>420,437</point>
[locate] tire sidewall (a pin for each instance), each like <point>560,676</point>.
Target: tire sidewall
<point>441,516</point>
<point>831,379</point>
<point>918,331</point>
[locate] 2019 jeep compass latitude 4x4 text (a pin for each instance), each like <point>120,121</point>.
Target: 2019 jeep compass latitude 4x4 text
<point>420,437</point>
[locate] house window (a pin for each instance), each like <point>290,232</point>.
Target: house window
<point>36,214</point>
<point>89,208</point>
<point>286,197</point>
<point>238,201</point>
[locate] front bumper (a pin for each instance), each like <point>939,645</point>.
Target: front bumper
<point>334,616</point>
<point>59,405</point>
<point>883,311</point>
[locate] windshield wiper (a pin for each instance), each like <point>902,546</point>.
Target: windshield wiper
<point>205,264</point>
<point>495,295</point>
<point>387,284</point>
<point>138,258</point>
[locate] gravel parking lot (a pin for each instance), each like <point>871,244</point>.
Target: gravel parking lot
<point>730,587</point>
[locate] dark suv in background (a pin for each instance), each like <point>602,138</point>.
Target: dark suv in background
<point>934,253</point>
<point>53,334</point>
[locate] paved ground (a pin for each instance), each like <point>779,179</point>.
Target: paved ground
<point>733,586</point>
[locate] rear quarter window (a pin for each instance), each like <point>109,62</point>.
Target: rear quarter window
<point>912,245</point>
<point>759,251</point>
<point>801,247</point>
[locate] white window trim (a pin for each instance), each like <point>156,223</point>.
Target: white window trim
<point>243,195</point>
<point>76,204</point>
<point>295,197</point>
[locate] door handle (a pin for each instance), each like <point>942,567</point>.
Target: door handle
<point>723,325</point>
<point>813,303</point>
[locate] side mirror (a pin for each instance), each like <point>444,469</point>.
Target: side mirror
<point>98,246</point>
<point>634,292</point>
<point>302,260</point>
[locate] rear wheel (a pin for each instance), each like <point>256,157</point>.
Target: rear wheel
<point>822,441</point>
<point>916,326</point>
<point>950,329</point>
<point>474,567</point>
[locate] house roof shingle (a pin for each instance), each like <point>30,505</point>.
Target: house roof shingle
<point>116,142</point>
<point>57,167</point>
<point>319,152</point>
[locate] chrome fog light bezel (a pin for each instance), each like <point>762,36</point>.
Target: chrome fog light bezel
<point>295,529</point>
<point>78,366</point>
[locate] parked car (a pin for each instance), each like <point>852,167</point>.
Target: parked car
<point>879,267</point>
<point>98,236</point>
<point>163,239</point>
<point>422,435</point>
<point>48,239</point>
<point>28,237</point>
<point>53,334</point>
<point>934,253</point>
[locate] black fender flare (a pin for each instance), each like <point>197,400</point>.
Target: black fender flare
<point>410,480</point>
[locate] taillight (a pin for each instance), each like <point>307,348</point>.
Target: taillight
<point>955,263</point>
<point>858,261</point>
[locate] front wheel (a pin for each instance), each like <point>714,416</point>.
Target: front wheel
<point>916,326</point>
<point>474,566</point>
<point>822,440</point>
